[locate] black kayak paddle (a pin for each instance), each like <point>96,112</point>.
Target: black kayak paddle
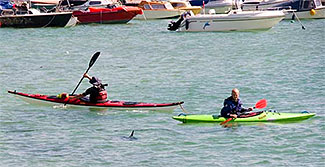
<point>91,63</point>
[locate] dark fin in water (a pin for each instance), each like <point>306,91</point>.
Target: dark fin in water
<point>131,135</point>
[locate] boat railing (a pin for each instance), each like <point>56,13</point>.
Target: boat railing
<point>285,9</point>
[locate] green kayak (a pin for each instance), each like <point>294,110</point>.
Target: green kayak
<point>262,116</point>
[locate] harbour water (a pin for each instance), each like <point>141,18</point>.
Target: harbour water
<point>142,61</point>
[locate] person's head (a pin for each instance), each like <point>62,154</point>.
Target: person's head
<point>95,82</point>
<point>235,94</point>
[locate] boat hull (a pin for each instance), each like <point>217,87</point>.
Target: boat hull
<point>263,117</point>
<point>158,14</point>
<point>319,14</point>
<point>241,21</point>
<point>107,16</point>
<point>36,20</point>
<point>115,105</point>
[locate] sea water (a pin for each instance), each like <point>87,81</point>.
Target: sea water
<point>143,61</point>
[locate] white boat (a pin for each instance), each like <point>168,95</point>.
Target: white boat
<point>220,6</point>
<point>157,10</point>
<point>235,20</point>
<point>260,4</point>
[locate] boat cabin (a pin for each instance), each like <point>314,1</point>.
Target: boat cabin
<point>301,5</point>
<point>155,5</point>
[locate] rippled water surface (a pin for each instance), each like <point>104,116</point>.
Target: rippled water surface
<point>142,61</point>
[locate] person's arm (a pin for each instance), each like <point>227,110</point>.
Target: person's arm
<point>77,96</point>
<point>87,76</point>
<point>87,92</point>
<point>227,109</point>
<point>242,109</point>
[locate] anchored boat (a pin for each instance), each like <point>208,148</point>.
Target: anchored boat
<point>235,20</point>
<point>303,9</point>
<point>22,16</point>
<point>121,14</point>
<point>117,105</point>
<point>185,5</point>
<point>157,10</point>
<point>263,116</point>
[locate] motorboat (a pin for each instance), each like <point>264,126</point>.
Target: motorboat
<point>120,14</point>
<point>185,5</point>
<point>260,4</point>
<point>235,20</point>
<point>21,16</point>
<point>157,10</point>
<point>97,3</point>
<point>220,6</point>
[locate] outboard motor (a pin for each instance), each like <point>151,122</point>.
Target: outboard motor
<point>173,26</point>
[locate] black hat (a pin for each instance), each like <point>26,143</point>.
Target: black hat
<point>95,81</point>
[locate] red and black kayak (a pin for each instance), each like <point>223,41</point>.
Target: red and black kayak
<point>120,105</point>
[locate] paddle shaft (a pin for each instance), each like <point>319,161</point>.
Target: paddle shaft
<point>91,63</point>
<point>75,89</point>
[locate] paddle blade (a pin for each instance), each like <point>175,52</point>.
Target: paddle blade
<point>224,122</point>
<point>261,104</point>
<point>93,59</point>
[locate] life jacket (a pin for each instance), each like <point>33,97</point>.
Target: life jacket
<point>102,96</point>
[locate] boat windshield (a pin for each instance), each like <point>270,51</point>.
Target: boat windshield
<point>169,6</point>
<point>95,2</point>
<point>178,5</point>
<point>146,6</point>
<point>318,3</point>
<point>310,4</point>
<point>158,6</point>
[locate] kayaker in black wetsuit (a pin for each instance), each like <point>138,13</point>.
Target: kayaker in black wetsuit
<point>232,106</point>
<point>97,93</point>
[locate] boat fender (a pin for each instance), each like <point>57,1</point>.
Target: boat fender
<point>182,114</point>
<point>305,112</point>
<point>312,12</point>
